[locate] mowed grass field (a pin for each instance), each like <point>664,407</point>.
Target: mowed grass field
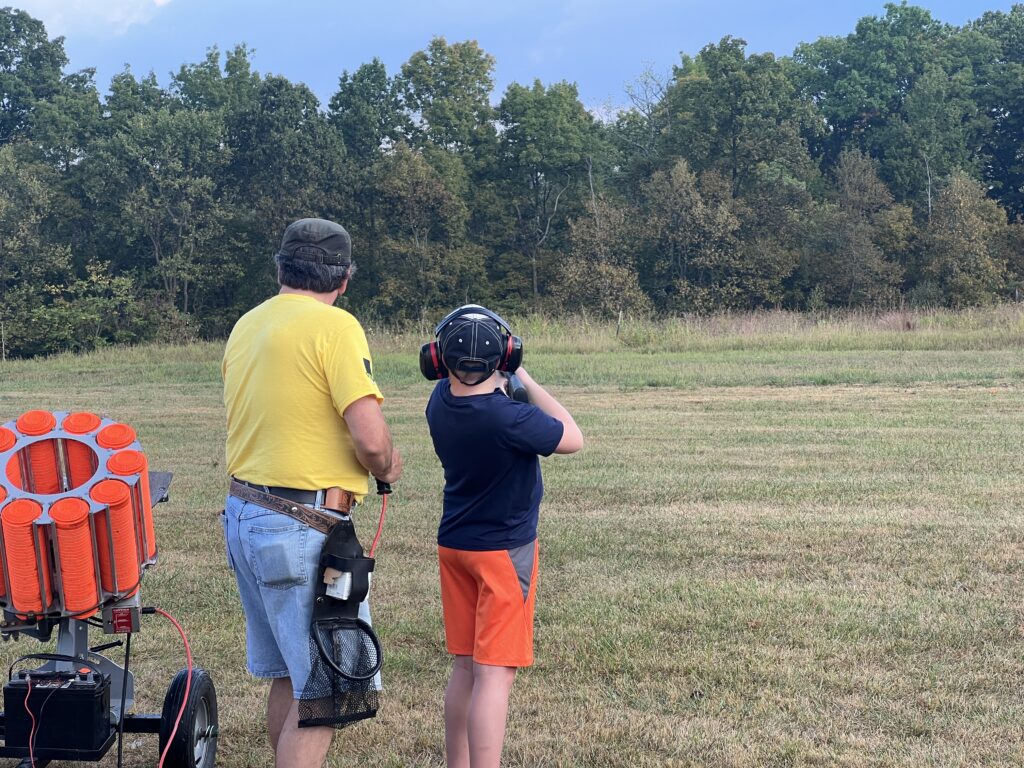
<point>788,542</point>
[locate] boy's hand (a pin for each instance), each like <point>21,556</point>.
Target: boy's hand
<point>514,388</point>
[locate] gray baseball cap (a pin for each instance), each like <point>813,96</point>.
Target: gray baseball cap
<point>317,240</point>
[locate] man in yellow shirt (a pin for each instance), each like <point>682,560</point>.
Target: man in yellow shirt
<point>304,427</point>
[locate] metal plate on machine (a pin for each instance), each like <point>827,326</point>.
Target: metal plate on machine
<point>159,483</point>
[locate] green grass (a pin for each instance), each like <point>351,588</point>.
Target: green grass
<point>788,542</point>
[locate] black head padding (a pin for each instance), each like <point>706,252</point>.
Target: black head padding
<point>471,338</point>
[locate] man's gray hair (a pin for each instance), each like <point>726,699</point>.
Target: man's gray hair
<point>310,276</point>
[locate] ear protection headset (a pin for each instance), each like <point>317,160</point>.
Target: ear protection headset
<point>432,364</point>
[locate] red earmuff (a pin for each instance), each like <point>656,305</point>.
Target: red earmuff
<point>431,364</point>
<point>513,354</point>
<point>434,357</point>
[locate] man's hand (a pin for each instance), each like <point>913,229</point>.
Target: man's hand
<point>396,468</point>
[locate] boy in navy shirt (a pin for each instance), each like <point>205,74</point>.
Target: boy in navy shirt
<point>489,446</point>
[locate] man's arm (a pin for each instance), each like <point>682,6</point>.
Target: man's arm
<point>372,439</point>
<point>572,437</point>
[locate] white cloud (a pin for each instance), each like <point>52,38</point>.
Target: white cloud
<point>97,18</point>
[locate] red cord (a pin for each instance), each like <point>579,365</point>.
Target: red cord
<point>188,683</point>
<point>31,733</point>
<point>380,525</point>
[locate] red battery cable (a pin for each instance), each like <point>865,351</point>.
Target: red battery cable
<point>188,683</point>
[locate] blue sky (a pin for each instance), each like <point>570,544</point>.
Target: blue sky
<point>599,44</point>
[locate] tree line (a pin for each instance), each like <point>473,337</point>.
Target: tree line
<point>878,168</point>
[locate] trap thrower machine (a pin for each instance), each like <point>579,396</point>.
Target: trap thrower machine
<point>76,537</point>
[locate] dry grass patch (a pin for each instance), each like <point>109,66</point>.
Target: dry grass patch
<point>804,552</point>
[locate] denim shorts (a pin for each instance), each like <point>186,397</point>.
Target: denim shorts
<point>275,559</point>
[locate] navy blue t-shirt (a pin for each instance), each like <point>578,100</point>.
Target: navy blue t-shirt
<point>489,447</point>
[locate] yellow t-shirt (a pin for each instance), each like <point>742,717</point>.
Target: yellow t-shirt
<point>291,367</point>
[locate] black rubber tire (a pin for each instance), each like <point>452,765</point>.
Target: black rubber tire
<point>195,743</point>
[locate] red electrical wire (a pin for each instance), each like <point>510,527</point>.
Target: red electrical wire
<point>31,733</point>
<point>380,525</point>
<point>39,725</point>
<point>188,683</point>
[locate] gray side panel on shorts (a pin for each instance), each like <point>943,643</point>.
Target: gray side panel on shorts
<point>522,561</point>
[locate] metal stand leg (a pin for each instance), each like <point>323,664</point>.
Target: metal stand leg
<point>72,640</point>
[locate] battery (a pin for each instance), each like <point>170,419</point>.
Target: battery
<point>72,711</point>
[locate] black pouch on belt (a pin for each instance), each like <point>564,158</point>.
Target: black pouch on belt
<point>344,652</point>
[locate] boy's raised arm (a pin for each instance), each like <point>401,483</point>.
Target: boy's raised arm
<point>572,437</point>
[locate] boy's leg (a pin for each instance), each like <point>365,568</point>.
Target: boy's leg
<point>488,614</point>
<point>488,711</point>
<point>459,595</point>
<point>456,712</point>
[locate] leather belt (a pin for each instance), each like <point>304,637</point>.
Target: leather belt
<point>295,506</point>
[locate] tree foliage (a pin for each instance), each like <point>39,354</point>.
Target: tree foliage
<point>864,170</point>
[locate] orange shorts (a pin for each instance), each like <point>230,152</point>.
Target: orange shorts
<point>488,600</point>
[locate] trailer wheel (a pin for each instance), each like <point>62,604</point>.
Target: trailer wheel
<point>195,743</point>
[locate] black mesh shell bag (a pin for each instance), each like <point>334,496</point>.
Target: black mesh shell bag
<point>344,652</point>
